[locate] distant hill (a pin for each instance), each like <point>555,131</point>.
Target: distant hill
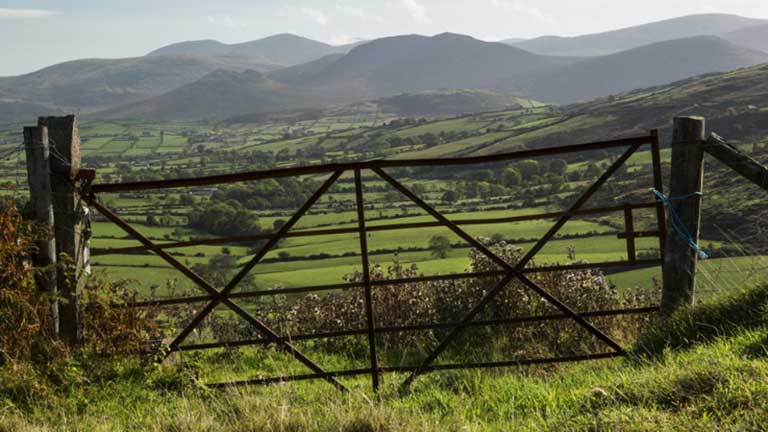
<point>415,63</point>
<point>619,40</point>
<point>282,49</point>
<point>296,75</point>
<point>219,95</point>
<point>100,83</point>
<point>643,67</point>
<point>16,111</point>
<point>755,37</point>
<point>449,102</point>
<point>735,105</point>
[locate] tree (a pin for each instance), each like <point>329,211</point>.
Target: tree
<point>277,224</point>
<point>528,169</point>
<point>510,177</point>
<point>178,233</point>
<point>439,246</point>
<point>450,196</point>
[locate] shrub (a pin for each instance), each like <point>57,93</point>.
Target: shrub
<point>24,312</point>
<point>110,328</point>
<point>449,300</point>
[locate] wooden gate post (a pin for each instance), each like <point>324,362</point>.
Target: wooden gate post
<point>64,138</point>
<point>685,200</point>
<point>41,199</point>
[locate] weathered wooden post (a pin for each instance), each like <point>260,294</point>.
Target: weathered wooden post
<point>64,138</point>
<point>685,201</point>
<point>41,198</point>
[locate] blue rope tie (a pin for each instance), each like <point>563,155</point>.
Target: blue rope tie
<point>677,224</point>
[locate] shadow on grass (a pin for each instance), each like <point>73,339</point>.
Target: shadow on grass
<point>725,316</point>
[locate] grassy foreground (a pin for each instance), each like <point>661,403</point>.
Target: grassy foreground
<point>706,370</point>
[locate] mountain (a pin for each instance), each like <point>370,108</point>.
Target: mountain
<point>298,74</point>
<point>413,63</point>
<point>632,37</point>
<point>643,67</point>
<point>755,37</point>
<point>207,47</point>
<point>99,83</point>
<point>282,49</point>
<point>16,111</point>
<point>734,103</point>
<point>512,41</point>
<point>219,95</point>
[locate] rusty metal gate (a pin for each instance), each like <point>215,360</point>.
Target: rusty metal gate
<point>215,296</point>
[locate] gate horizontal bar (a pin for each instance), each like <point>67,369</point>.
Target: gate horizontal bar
<point>484,365</point>
<point>418,327</point>
<point>394,163</point>
<point>373,228</point>
<point>350,285</point>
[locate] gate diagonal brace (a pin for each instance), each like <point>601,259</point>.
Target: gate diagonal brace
<point>220,296</point>
<point>513,272</point>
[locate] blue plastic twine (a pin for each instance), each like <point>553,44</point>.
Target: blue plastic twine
<point>677,224</point>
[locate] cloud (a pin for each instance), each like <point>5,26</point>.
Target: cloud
<point>358,13</point>
<point>522,8</point>
<point>315,15</point>
<point>417,10</point>
<point>226,21</point>
<point>25,13</point>
<point>352,11</point>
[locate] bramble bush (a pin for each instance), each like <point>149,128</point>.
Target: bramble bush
<point>448,301</point>
<point>25,327</point>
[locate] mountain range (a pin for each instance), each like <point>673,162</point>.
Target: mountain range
<point>212,80</point>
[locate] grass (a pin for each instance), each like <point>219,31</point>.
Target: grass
<point>713,376</point>
<point>712,275</point>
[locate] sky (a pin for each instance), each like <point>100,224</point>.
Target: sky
<point>38,33</point>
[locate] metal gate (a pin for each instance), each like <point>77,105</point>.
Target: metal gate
<point>215,296</point>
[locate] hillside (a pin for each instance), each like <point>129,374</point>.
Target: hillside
<point>416,63</point>
<point>643,67</point>
<point>619,40</point>
<point>751,37</point>
<point>282,49</point>
<point>93,84</point>
<point>712,377</point>
<point>450,102</point>
<point>219,95</point>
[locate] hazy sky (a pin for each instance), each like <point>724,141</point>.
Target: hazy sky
<point>37,33</point>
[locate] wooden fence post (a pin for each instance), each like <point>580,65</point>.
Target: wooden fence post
<point>41,199</point>
<point>685,199</point>
<point>64,138</point>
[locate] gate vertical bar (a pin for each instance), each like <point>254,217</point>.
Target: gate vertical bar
<point>629,227</point>
<point>658,184</point>
<point>370,320</point>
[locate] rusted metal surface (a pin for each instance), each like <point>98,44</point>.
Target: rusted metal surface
<point>369,318</point>
<point>419,327</point>
<point>389,282</point>
<point>221,295</point>
<point>506,273</point>
<point>513,272</point>
<point>329,168</point>
<point>373,228</point>
<point>432,368</point>
<point>629,226</point>
<point>207,287</point>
